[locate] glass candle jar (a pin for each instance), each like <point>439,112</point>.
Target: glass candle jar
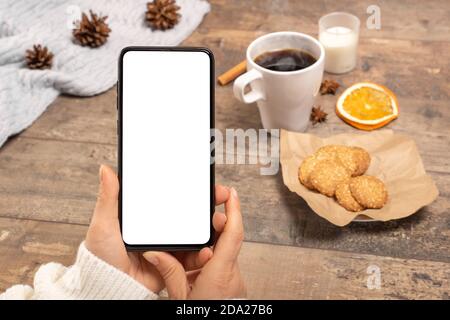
<point>339,34</point>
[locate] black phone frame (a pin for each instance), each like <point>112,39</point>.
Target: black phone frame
<point>166,247</point>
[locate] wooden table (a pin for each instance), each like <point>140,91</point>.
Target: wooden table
<point>48,173</point>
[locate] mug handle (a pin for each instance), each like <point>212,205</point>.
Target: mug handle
<point>242,81</point>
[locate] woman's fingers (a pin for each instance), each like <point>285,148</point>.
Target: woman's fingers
<point>108,194</point>
<point>219,220</point>
<point>171,271</point>
<point>194,260</point>
<point>222,194</point>
<point>229,243</point>
<point>192,276</point>
<point>197,259</point>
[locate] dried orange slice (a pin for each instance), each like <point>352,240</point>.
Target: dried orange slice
<point>367,106</point>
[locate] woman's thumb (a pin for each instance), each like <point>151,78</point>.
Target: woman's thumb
<point>171,271</point>
<point>108,194</point>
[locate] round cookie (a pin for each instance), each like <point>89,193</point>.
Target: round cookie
<point>344,198</point>
<point>327,174</point>
<point>369,191</point>
<point>329,152</point>
<point>348,159</point>
<point>305,169</point>
<point>355,159</point>
<point>362,159</point>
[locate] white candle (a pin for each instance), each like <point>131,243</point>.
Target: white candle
<point>340,43</point>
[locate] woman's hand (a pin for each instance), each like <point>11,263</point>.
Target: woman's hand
<point>220,278</point>
<point>104,239</point>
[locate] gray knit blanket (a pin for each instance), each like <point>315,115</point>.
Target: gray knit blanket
<point>76,70</point>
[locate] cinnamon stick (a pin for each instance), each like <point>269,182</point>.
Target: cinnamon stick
<point>233,73</point>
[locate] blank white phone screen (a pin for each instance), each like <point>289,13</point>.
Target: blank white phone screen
<point>166,147</point>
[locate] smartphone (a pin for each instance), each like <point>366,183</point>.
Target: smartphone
<point>165,116</point>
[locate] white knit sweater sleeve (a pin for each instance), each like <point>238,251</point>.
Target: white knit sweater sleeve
<point>88,278</point>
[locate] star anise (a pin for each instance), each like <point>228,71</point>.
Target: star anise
<point>329,87</point>
<point>318,115</point>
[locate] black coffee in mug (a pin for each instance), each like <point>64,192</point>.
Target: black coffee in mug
<point>285,60</point>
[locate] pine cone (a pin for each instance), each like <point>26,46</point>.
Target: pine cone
<point>39,58</point>
<point>162,14</point>
<point>91,32</point>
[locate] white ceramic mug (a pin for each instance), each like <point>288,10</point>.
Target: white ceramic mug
<point>284,99</point>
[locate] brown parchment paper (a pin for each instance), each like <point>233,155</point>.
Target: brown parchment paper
<point>394,159</point>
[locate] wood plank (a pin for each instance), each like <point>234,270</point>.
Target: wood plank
<point>51,180</point>
<point>57,181</point>
<point>421,85</point>
<point>27,244</point>
<point>411,68</point>
<point>49,172</point>
<point>425,121</point>
<point>407,19</point>
<point>280,272</point>
<point>271,272</point>
<point>272,214</point>
<point>72,118</point>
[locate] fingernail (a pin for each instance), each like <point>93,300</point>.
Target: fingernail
<point>152,258</point>
<point>100,173</point>
<point>210,253</point>
<point>234,192</point>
